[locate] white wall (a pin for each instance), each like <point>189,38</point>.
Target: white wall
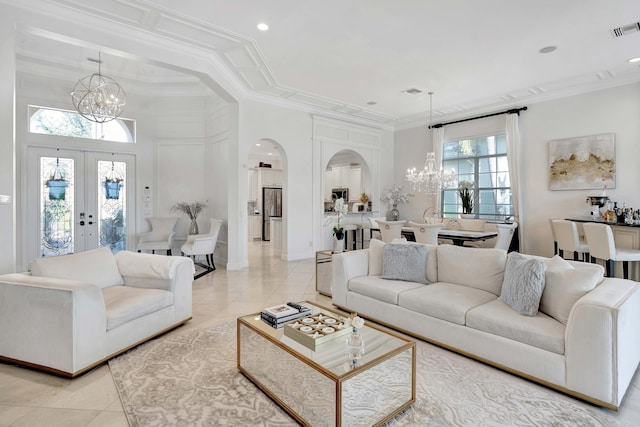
<point>614,110</point>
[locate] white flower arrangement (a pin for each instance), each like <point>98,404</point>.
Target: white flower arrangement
<point>340,209</point>
<point>394,195</point>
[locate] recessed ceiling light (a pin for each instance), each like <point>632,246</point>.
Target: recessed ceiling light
<point>263,27</point>
<point>548,49</point>
<point>632,60</point>
<point>258,144</point>
<point>270,154</point>
<point>412,91</point>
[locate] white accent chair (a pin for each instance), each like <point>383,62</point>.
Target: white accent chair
<point>203,244</point>
<point>390,230</point>
<point>426,233</point>
<point>160,236</point>
<point>505,235</point>
<point>568,239</point>
<point>602,246</point>
<point>70,313</point>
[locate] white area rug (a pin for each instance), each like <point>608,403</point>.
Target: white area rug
<point>192,380</point>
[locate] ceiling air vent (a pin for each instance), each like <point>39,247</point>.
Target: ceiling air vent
<point>626,30</point>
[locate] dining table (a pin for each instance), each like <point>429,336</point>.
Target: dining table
<point>458,237</point>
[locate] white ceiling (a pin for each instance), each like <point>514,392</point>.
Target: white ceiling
<point>337,55</point>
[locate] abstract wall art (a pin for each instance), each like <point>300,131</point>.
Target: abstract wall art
<point>583,163</point>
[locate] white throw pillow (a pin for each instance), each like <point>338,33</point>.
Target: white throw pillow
<point>375,257</point>
<point>405,262</point>
<point>95,266</point>
<point>564,285</point>
<point>523,283</point>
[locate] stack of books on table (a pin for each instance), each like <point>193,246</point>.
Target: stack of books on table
<point>278,315</point>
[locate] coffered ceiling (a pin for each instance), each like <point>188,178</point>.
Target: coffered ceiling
<point>356,58</point>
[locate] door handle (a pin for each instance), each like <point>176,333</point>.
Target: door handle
<point>81,222</point>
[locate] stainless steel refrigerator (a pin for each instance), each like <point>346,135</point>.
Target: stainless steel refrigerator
<point>271,207</point>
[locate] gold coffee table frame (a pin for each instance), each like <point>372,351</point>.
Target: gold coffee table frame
<point>320,388</point>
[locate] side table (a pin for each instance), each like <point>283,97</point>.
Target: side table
<point>324,273</point>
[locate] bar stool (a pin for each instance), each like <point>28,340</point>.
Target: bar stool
<point>602,246</point>
<point>353,228</point>
<point>553,235</point>
<point>568,239</point>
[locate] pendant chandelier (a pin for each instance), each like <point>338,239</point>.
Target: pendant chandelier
<point>430,178</point>
<point>97,97</point>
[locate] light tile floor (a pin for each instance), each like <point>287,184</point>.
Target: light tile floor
<point>31,399</point>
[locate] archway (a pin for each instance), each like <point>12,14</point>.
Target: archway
<point>267,197</point>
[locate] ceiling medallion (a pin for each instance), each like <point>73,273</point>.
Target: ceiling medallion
<point>97,97</point>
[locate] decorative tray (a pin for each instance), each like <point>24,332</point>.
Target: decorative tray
<point>313,331</point>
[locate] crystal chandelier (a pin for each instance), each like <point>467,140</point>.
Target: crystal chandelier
<point>430,178</point>
<point>98,98</point>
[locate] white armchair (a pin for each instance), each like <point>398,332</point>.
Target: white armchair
<point>160,237</point>
<point>203,244</point>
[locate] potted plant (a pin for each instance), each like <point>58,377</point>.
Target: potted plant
<point>192,210</point>
<point>340,209</point>
<point>112,187</point>
<point>57,186</point>
<point>465,191</point>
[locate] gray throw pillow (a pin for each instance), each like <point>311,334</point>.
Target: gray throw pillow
<point>405,262</point>
<point>523,283</point>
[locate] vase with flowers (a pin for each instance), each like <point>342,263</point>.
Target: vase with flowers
<point>191,210</point>
<point>394,195</point>
<point>340,209</point>
<point>465,191</point>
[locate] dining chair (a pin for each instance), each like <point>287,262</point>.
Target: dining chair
<point>374,224</point>
<point>602,246</point>
<point>426,233</point>
<point>568,239</point>
<point>390,229</point>
<point>203,244</point>
<point>160,235</point>
<point>505,235</point>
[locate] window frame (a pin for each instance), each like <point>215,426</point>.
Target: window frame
<point>496,215</point>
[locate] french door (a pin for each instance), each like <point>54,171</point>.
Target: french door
<point>78,200</point>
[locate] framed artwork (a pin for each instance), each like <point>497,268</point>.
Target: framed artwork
<point>583,163</point>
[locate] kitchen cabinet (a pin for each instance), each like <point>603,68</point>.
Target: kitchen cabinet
<point>257,227</point>
<point>270,177</point>
<point>355,184</point>
<point>253,186</point>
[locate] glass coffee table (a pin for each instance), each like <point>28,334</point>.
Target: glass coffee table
<point>323,387</point>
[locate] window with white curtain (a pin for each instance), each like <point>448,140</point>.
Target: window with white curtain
<point>483,161</point>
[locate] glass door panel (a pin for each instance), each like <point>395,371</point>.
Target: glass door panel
<point>83,201</point>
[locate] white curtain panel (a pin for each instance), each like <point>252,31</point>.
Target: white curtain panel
<point>438,141</point>
<point>513,157</point>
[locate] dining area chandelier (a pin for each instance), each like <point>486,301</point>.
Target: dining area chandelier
<point>431,178</point>
<point>97,97</point>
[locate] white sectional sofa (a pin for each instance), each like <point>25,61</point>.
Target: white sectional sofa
<point>583,340</point>
<point>71,313</point>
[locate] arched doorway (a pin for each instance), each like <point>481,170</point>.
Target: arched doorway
<point>266,200</point>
